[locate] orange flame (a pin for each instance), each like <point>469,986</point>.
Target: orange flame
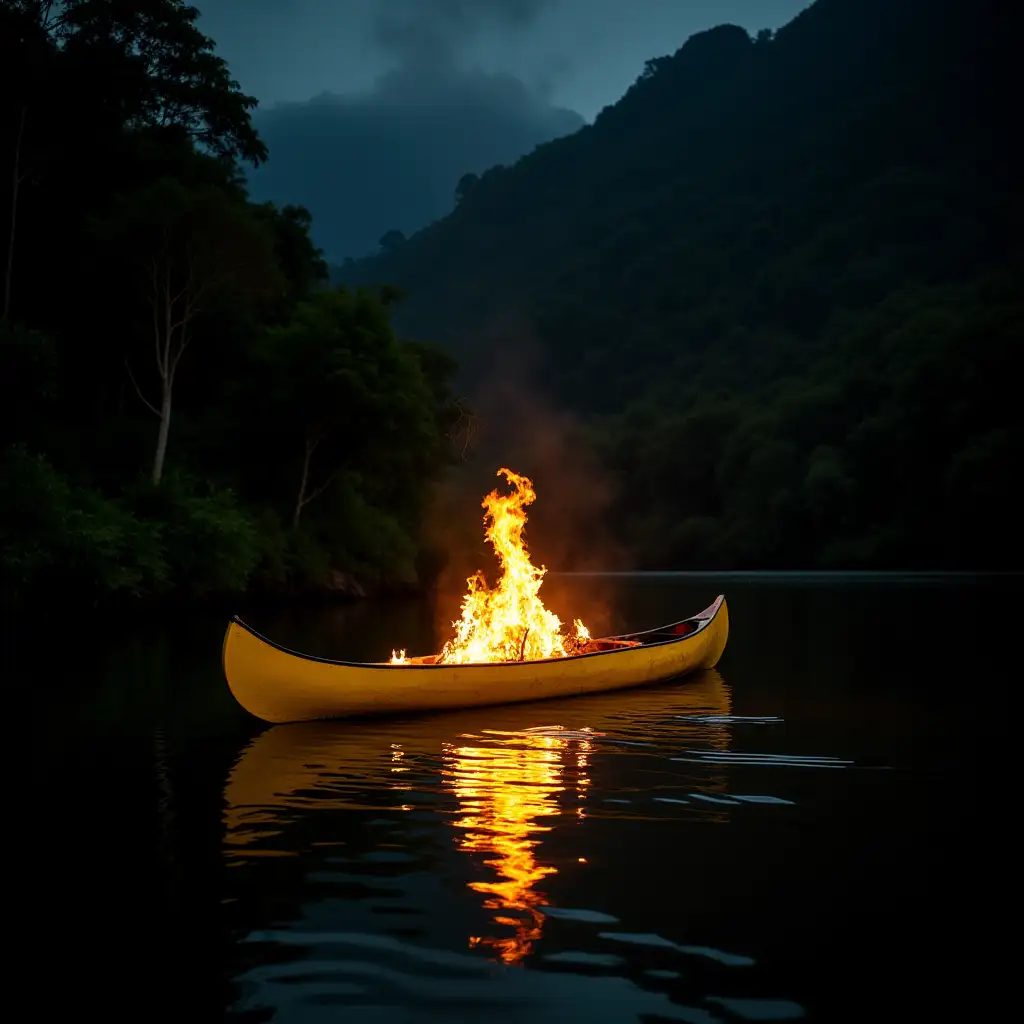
<point>508,622</point>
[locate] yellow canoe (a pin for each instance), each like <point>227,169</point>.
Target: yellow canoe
<point>279,685</point>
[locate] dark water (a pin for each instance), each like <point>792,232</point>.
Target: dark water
<point>816,830</point>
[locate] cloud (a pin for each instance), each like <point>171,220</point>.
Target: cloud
<point>426,33</point>
<point>390,157</point>
<point>388,154</point>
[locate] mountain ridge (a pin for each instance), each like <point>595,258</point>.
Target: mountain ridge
<point>831,210</point>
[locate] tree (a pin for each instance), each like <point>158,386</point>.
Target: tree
<point>301,263</point>
<point>27,381</point>
<point>457,421</point>
<point>392,239</point>
<point>465,185</point>
<point>195,248</point>
<point>653,66</point>
<point>150,56</point>
<point>132,83</point>
<point>121,143</point>
<point>355,398</point>
<point>25,56</point>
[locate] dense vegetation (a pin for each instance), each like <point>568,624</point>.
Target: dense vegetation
<point>782,282</point>
<point>187,408</point>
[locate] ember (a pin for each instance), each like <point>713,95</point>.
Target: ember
<point>508,622</point>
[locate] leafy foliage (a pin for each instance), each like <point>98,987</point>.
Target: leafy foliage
<point>139,277</point>
<point>73,540</point>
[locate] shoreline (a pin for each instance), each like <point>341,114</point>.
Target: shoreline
<point>42,610</point>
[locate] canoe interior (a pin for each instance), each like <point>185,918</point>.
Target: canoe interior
<point>599,645</point>
<point>594,647</point>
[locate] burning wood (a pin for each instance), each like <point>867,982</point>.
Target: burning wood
<point>508,622</point>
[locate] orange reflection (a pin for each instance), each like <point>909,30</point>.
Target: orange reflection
<point>509,784</point>
<point>505,791</point>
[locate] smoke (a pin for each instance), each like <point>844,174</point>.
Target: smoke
<point>569,528</point>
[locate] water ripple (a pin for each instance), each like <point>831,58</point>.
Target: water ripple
<point>462,838</point>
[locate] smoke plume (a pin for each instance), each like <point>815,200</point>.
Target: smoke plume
<point>569,527</point>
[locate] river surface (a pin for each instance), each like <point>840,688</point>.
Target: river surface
<point>816,830</point>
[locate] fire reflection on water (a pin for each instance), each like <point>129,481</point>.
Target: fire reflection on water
<point>508,792</point>
<point>296,788</point>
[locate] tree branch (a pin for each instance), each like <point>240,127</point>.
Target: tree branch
<point>149,405</point>
<point>47,24</point>
<point>185,338</point>
<point>313,439</point>
<point>319,490</point>
<point>466,425</point>
<point>173,300</point>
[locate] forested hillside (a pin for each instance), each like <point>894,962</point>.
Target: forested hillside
<point>186,408</point>
<point>782,283</point>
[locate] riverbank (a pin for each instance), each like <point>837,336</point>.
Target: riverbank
<point>335,589</point>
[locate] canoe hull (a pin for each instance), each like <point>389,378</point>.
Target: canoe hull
<point>278,685</point>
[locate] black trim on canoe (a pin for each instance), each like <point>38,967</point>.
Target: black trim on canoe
<point>702,619</point>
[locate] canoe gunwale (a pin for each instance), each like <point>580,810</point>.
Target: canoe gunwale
<point>703,620</point>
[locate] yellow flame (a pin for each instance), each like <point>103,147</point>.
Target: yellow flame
<point>508,622</point>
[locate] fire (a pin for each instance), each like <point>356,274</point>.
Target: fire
<point>508,622</point>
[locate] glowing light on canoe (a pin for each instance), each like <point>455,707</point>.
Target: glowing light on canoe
<point>507,622</point>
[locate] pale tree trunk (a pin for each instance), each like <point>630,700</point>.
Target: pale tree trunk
<point>162,434</point>
<point>17,177</point>
<point>172,315</point>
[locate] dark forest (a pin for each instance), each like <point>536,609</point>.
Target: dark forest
<point>778,284</point>
<point>188,408</point>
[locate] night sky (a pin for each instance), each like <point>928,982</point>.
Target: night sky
<point>373,109</point>
<point>580,54</point>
